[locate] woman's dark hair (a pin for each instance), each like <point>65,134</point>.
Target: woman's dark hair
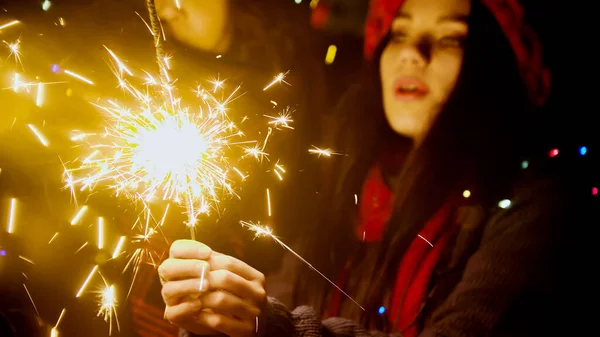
<point>475,143</point>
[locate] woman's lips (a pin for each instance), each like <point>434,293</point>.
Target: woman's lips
<point>409,89</point>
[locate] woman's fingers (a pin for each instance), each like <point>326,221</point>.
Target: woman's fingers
<point>228,326</point>
<point>222,302</point>
<point>176,269</point>
<point>173,292</point>
<point>189,249</point>
<point>222,261</point>
<point>226,280</point>
<point>179,313</point>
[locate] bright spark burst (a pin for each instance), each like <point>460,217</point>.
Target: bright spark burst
<point>107,301</point>
<point>278,79</point>
<point>261,231</point>
<point>322,152</point>
<point>160,149</point>
<point>14,48</point>
<point>281,121</point>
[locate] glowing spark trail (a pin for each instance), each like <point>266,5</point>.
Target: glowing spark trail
<point>79,77</point>
<point>79,215</point>
<point>60,317</point>
<point>87,280</point>
<point>40,94</point>
<point>31,299</point>
<point>53,237</point>
<point>12,214</point>
<point>39,135</point>
<point>8,24</point>
<point>26,259</point>
<point>268,203</point>
<point>322,152</point>
<point>100,233</point>
<point>118,248</point>
<point>278,79</point>
<point>266,231</point>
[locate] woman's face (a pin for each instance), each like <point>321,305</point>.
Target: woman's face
<point>199,23</point>
<point>421,63</point>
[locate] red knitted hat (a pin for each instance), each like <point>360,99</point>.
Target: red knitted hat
<point>510,17</point>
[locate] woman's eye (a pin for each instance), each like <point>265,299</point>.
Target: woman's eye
<point>398,37</point>
<point>451,42</point>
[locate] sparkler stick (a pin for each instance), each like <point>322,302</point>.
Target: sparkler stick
<point>266,231</point>
<point>155,25</point>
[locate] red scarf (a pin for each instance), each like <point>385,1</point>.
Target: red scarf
<point>415,269</point>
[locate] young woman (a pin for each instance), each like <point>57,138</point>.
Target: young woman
<point>451,236</point>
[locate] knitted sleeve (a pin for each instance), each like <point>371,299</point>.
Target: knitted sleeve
<point>514,256</point>
<point>305,322</point>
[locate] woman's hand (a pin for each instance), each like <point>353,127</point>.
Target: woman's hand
<point>206,291</point>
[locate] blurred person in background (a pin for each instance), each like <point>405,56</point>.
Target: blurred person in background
<point>451,236</point>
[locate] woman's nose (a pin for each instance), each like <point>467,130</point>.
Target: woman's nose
<point>416,53</point>
<point>412,55</point>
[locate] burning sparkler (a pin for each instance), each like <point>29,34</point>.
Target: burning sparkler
<point>161,149</point>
